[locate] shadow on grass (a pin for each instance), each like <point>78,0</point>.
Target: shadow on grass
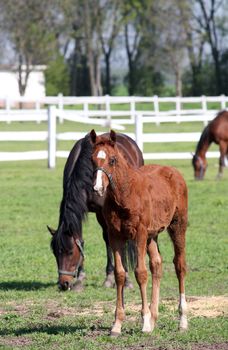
<point>53,330</point>
<point>25,285</point>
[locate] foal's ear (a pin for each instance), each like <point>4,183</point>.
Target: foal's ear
<point>93,136</point>
<point>51,230</point>
<point>113,136</point>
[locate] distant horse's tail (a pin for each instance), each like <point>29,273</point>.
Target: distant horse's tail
<point>130,255</point>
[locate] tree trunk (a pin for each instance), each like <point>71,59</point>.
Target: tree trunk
<point>107,77</point>
<point>178,82</point>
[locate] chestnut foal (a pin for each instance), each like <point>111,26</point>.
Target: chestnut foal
<point>139,204</point>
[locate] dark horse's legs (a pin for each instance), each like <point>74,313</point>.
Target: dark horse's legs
<point>110,280</point>
<point>78,286</point>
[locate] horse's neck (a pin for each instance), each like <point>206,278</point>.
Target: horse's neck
<point>123,186</point>
<point>203,144</point>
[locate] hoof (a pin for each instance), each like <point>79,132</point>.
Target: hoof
<point>109,281</point>
<point>128,284</point>
<point>148,325</point>
<point>81,276</point>
<point>78,287</point>
<point>114,334</point>
<point>183,325</point>
<point>183,329</point>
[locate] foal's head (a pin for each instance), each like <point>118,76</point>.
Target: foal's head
<point>68,251</point>
<point>105,158</point>
<point>200,166</point>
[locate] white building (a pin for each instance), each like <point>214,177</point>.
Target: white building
<point>9,84</point>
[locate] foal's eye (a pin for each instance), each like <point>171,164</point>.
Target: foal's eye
<point>112,161</point>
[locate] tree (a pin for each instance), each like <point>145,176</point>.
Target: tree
<point>171,45</point>
<point>207,16</point>
<point>93,49</point>
<point>195,42</point>
<point>29,30</point>
<point>134,12</point>
<point>57,77</point>
<point>110,23</point>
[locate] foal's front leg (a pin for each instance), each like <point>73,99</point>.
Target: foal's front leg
<point>120,276</point>
<point>142,277</point>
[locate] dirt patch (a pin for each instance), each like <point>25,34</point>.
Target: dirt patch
<point>216,346</point>
<point>197,307</point>
<point>15,341</point>
<point>208,306</point>
<point>204,306</point>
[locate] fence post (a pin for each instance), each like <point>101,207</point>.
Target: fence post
<point>8,108</point>
<point>51,136</point>
<point>132,108</point>
<point>156,108</point>
<point>86,109</point>
<point>204,108</point>
<point>108,115</point>
<point>178,108</point>
<point>139,131</point>
<point>60,106</point>
<point>223,102</point>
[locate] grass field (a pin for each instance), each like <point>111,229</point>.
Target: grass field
<point>35,315</point>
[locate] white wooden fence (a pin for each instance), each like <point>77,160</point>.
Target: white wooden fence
<point>106,115</point>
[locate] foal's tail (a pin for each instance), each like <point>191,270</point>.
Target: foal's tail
<point>130,255</point>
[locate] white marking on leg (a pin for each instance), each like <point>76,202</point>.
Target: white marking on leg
<point>183,312</point>
<point>147,323</point>
<point>116,328</point>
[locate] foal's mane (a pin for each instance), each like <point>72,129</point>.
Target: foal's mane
<point>77,184</point>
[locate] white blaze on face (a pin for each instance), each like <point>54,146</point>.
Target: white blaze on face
<point>98,184</point>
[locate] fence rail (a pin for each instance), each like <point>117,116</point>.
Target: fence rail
<point>109,117</point>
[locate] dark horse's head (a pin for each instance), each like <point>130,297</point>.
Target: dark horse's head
<point>200,166</point>
<point>67,243</point>
<point>68,251</point>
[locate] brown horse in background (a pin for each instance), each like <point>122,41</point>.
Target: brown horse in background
<point>139,204</point>
<point>216,131</point>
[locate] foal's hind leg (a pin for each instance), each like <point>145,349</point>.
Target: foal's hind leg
<point>177,230</point>
<point>156,271</point>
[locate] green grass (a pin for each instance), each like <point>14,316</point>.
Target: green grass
<point>33,314</point>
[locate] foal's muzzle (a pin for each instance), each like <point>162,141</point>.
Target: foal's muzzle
<point>100,191</point>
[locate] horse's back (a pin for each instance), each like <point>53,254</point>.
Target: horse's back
<point>130,150</point>
<point>167,180</point>
<point>219,127</point>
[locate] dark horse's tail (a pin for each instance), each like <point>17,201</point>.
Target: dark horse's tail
<point>130,255</point>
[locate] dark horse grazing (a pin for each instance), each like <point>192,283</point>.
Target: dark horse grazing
<point>216,131</point>
<point>139,204</point>
<point>78,199</point>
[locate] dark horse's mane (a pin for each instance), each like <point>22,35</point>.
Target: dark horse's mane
<point>204,136</point>
<point>77,184</point>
